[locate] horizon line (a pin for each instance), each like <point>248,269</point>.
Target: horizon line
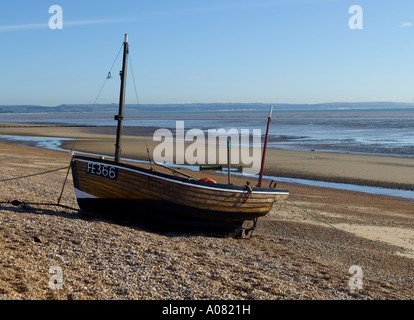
<point>192,103</point>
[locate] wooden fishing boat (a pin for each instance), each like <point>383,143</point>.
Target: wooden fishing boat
<point>124,191</point>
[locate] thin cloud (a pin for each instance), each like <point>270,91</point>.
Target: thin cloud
<point>23,27</point>
<point>92,22</point>
<point>405,25</point>
<point>19,27</point>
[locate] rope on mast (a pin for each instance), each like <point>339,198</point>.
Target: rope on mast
<point>139,111</point>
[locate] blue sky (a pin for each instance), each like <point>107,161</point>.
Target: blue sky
<point>184,51</point>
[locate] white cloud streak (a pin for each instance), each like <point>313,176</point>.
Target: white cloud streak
<point>19,27</point>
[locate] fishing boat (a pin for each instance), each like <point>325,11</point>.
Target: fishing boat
<point>125,191</point>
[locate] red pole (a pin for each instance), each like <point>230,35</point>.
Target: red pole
<point>264,148</point>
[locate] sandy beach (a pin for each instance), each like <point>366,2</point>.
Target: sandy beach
<point>303,249</point>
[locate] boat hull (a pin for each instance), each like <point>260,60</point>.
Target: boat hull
<point>134,194</point>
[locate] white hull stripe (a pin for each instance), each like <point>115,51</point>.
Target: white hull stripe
<point>190,184</point>
<point>83,195</point>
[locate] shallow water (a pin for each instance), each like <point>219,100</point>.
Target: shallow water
<point>352,187</point>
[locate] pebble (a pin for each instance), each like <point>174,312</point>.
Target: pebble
<point>37,239</point>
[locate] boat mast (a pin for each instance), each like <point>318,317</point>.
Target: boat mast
<point>119,117</point>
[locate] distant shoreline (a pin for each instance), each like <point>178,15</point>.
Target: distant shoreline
<point>80,107</point>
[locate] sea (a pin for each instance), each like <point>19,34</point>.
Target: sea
<point>373,131</point>
<point>366,131</point>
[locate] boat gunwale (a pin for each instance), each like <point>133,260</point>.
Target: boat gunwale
<point>185,181</point>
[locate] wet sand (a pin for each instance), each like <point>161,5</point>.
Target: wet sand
<point>303,249</point>
<point>370,170</point>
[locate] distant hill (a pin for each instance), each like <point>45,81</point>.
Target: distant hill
<point>205,107</point>
<point>42,109</point>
